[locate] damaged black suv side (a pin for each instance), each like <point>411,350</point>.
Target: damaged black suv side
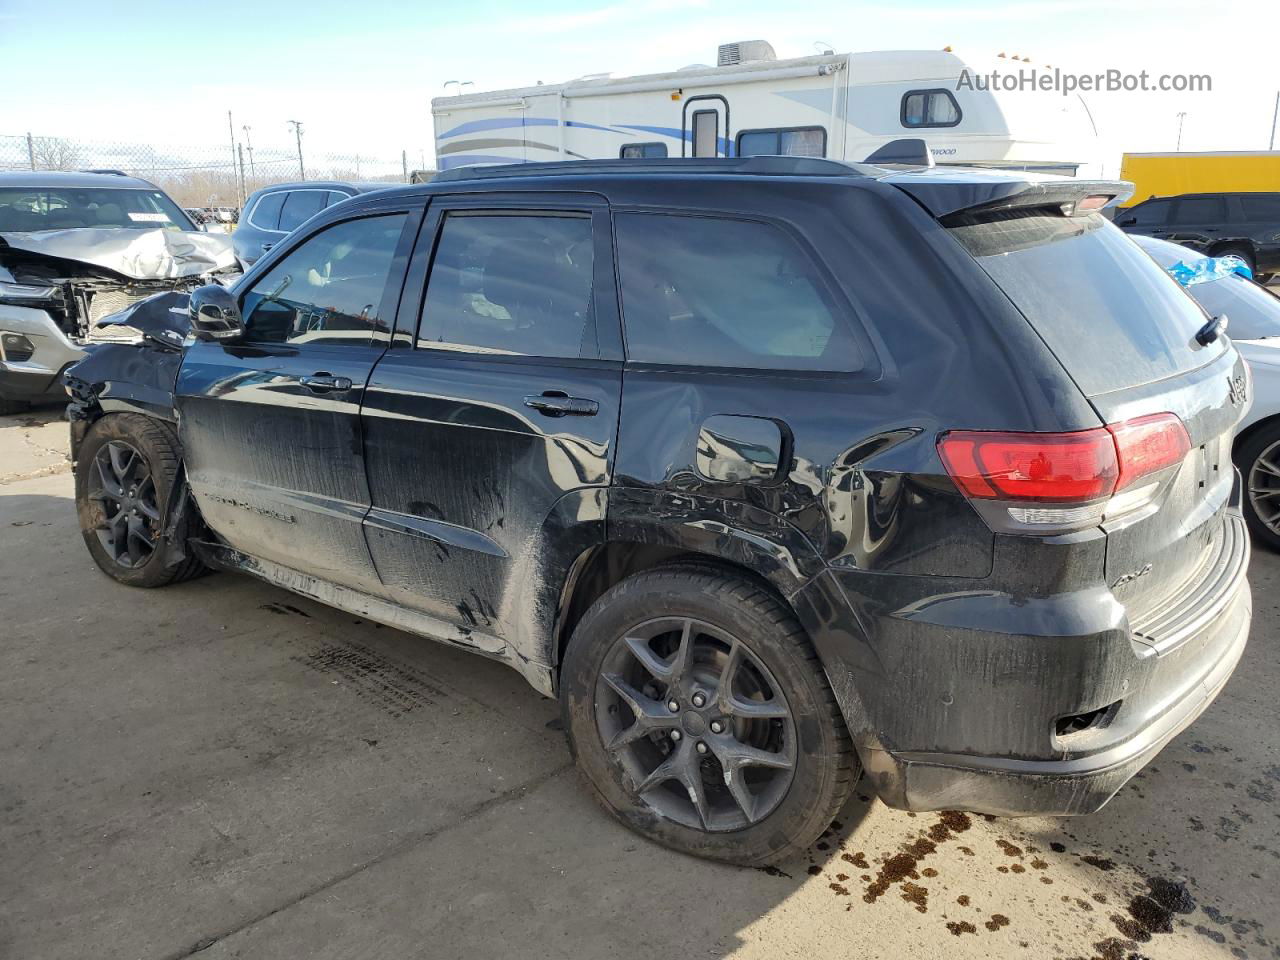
<point>772,470</point>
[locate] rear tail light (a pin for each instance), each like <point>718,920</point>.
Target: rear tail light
<point>1047,482</point>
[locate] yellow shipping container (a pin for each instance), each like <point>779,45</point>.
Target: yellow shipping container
<point>1173,174</point>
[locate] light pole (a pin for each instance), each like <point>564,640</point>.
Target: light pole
<point>253,174</point>
<point>1274,113</point>
<point>297,132</point>
<point>1182,115</point>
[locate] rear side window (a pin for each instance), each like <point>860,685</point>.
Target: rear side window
<point>336,197</point>
<point>1261,207</point>
<point>515,284</point>
<point>1200,210</point>
<point>725,293</point>
<point>300,207</point>
<point>1112,316</point>
<point>266,214</point>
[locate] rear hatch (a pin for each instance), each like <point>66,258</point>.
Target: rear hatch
<point>1126,333</point>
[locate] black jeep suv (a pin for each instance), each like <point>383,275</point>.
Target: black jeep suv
<point>771,469</point>
<point>1246,225</point>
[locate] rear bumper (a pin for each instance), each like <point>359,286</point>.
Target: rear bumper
<point>924,781</point>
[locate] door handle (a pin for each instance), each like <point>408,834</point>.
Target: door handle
<point>267,246</point>
<point>555,403</point>
<point>325,383</point>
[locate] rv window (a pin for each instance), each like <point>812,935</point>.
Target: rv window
<point>643,151</point>
<point>929,108</point>
<point>725,293</point>
<point>513,284</point>
<point>705,133</point>
<point>793,142</point>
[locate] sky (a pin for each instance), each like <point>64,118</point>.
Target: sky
<point>360,76</point>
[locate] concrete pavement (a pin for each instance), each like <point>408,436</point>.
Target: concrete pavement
<point>222,769</point>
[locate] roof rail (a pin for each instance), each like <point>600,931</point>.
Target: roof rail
<point>110,172</point>
<point>766,166</point>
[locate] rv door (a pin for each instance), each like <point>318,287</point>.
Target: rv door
<point>705,126</point>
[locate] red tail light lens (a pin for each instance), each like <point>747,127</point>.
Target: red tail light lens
<point>1045,467</point>
<point>1077,467</point>
<point>1148,444</point>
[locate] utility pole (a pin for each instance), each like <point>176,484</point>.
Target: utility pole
<point>404,164</point>
<point>31,150</point>
<point>297,132</point>
<point>231,129</point>
<point>1182,115</point>
<point>1275,111</point>
<point>253,174</point>
<point>244,191</point>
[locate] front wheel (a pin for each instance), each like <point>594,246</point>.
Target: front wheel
<point>125,478</point>
<point>1259,462</point>
<point>698,712</point>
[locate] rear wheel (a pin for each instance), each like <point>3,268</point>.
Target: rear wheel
<point>1244,253</point>
<point>1259,462</point>
<point>125,477</point>
<point>697,709</point>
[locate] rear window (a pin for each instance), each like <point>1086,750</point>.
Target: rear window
<point>1106,309</point>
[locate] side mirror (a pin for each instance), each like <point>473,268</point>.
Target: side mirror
<point>215,315</point>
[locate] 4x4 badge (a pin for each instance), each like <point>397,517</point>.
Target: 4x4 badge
<point>1237,390</point>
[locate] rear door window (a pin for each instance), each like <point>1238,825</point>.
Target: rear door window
<point>725,293</point>
<point>1200,210</point>
<point>1112,316</point>
<point>514,284</point>
<point>300,207</point>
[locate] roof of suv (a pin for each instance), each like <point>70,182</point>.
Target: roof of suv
<point>941,190</point>
<point>359,186</point>
<point>36,179</point>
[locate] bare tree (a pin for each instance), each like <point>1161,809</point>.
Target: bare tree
<point>55,153</point>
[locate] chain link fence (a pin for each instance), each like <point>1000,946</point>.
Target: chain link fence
<point>199,176</point>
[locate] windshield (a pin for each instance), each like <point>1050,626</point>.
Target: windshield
<point>26,209</point>
<point>1111,315</point>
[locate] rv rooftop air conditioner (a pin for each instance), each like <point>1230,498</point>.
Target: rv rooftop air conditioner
<point>745,51</point>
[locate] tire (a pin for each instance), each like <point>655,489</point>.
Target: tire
<point>147,559</point>
<point>1243,253</point>
<point>8,407</point>
<point>1256,457</point>
<point>782,813</point>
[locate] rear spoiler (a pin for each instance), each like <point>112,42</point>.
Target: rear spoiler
<point>976,196</point>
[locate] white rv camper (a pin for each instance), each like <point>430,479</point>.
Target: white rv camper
<point>837,105</point>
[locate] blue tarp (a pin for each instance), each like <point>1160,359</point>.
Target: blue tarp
<point>1210,268</point>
